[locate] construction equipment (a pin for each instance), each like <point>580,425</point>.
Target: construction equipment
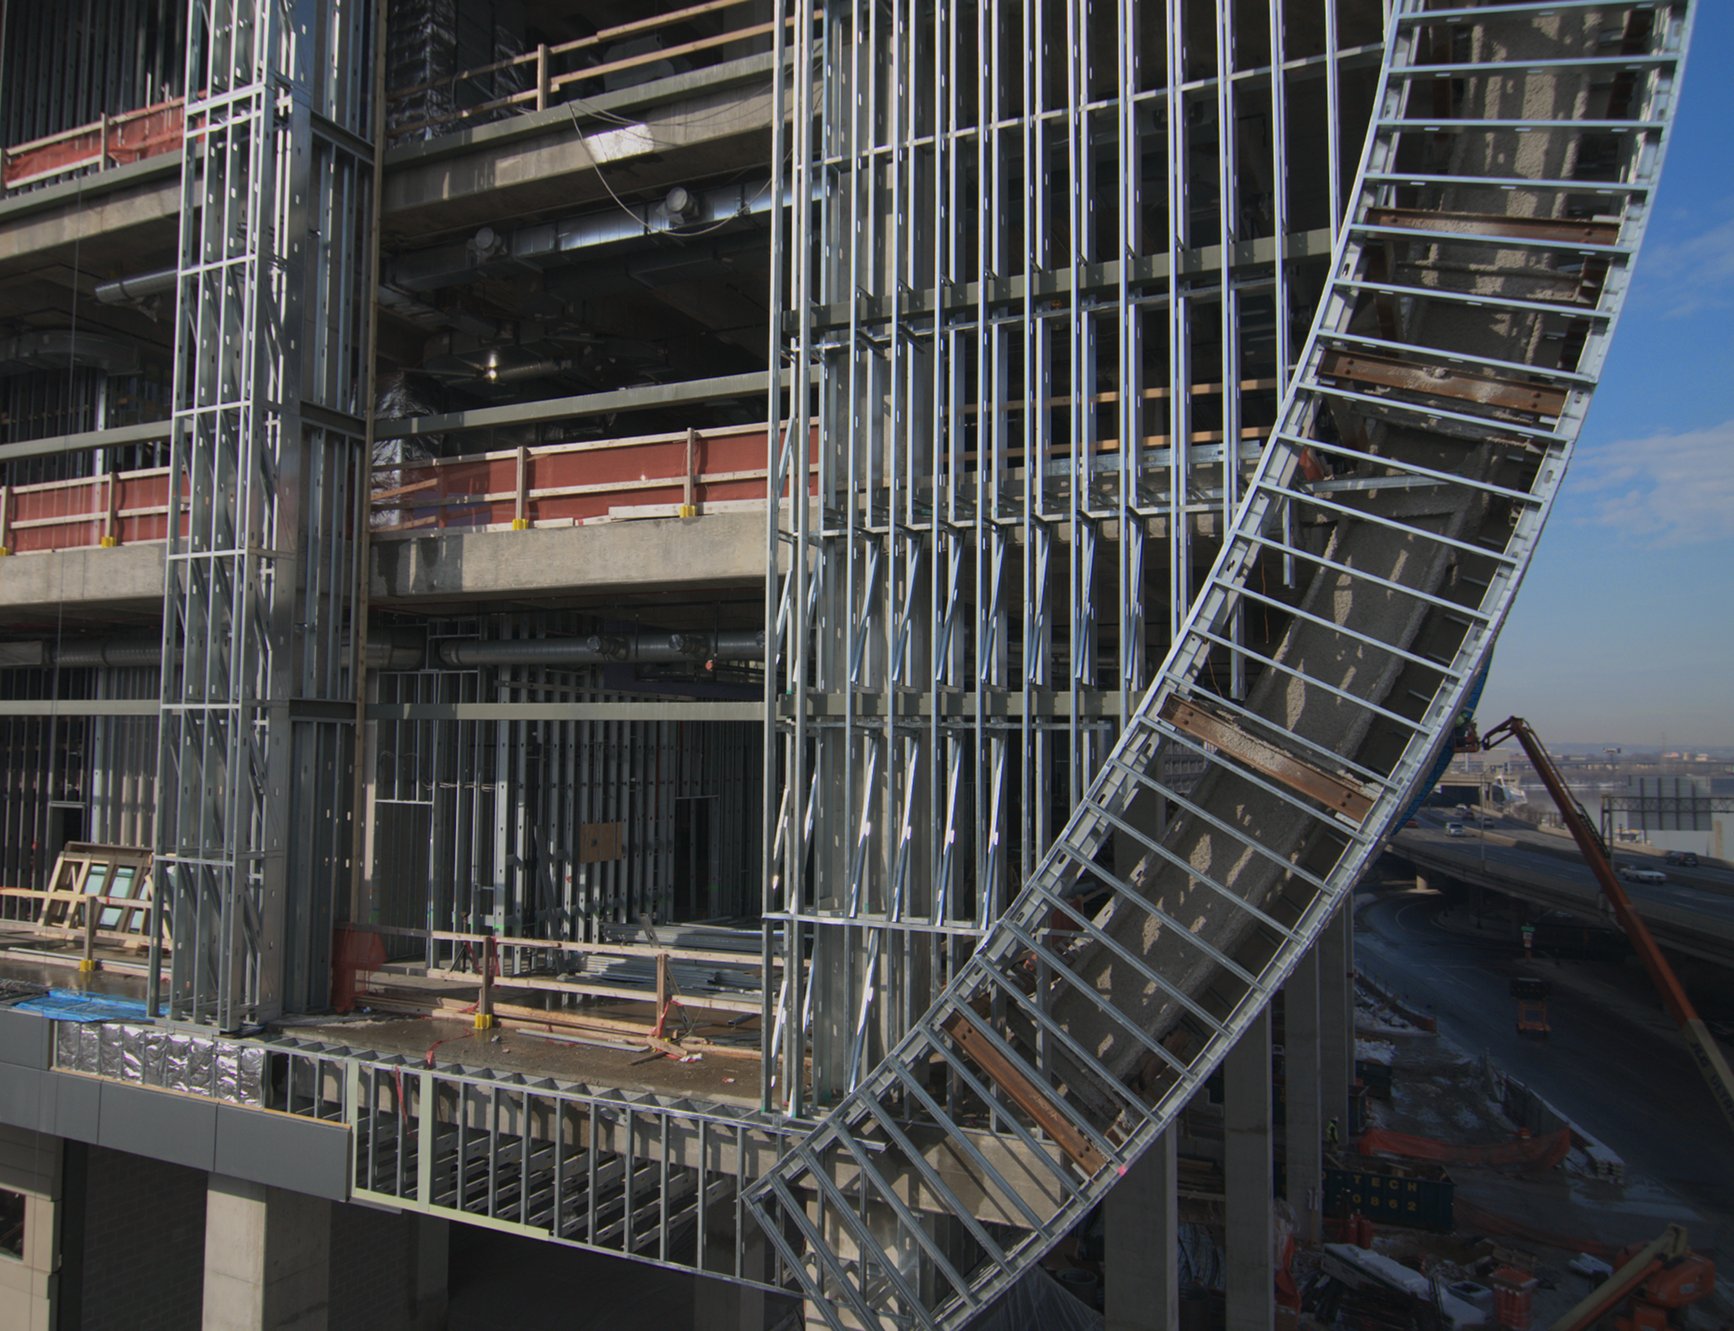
<point>1658,1277</point>
<point>1531,993</point>
<point>1705,1052</point>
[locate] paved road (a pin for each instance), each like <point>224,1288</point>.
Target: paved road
<point>1614,1063</point>
<point>1693,911</point>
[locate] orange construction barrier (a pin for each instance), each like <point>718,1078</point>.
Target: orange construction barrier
<point>1540,1152</point>
<point>113,140</point>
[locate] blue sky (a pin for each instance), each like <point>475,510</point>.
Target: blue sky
<point>1623,632</point>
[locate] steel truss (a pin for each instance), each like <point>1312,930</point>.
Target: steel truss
<point>1384,529</point>
<point>270,393</point>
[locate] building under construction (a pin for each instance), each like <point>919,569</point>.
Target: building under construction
<point>902,557</point>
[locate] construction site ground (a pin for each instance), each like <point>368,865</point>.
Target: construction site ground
<point>1543,1217</point>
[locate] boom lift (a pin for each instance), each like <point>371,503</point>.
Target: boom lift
<point>1657,1277</point>
<point>1705,1052</point>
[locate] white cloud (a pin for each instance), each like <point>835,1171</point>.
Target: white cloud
<point>1664,489</point>
<point>1687,274</point>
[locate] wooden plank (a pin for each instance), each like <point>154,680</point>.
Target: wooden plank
<point>39,894</point>
<point>67,896</point>
<point>664,991</point>
<point>30,929</point>
<point>1566,229</point>
<point>1443,381</point>
<point>623,993</point>
<point>598,842</point>
<point>716,956</point>
<point>1345,797</point>
<point>1025,1094</point>
<point>728,38</point>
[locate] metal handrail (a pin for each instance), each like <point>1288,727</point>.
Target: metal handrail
<point>547,84</point>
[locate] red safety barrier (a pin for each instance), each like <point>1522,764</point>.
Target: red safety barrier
<point>110,141</point>
<point>1542,1152</point>
<point>92,511</point>
<point>676,475</point>
<point>667,475</point>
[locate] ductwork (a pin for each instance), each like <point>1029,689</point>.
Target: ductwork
<point>608,649</point>
<point>138,287</point>
<point>99,654</point>
<point>124,653</point>
<point>405,654</point>
<point>540,244</point>
<point>407,306</point>
<point>393,655</point>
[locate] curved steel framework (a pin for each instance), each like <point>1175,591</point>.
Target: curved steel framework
<point>1503,191</point>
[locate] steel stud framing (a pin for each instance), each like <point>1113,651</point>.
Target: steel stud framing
<point>1481,259</point>
<point>270,387</point>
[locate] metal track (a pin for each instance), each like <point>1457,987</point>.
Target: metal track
<point>1502,195</point>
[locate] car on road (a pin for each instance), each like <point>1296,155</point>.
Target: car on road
<point>1632,874</point>
<point>1455,829</point>
<point>1684,858</point>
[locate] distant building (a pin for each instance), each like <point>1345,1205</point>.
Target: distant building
<point>1673,812</point>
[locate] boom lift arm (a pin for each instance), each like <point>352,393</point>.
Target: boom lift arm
<point>1626,1280</point>
<point>1705,1052</point>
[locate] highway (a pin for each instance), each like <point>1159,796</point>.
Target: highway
<point>1693,912</point>
<point>1614,1063</point>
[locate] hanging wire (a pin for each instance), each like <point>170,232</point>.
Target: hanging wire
<point>643,219</point>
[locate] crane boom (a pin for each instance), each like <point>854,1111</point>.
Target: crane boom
<point>1705,1052</point>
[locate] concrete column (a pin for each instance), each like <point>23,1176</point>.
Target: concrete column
<point>1140,1265</point>
<point>30,1195</point>
<point>1304,1127</point>
<point>1248,1180</point>
<point>1141,1224</point>
<point>267,1258</point>
<point>842,1240</point>
<point>1336,960</point>
<point>722,1305</point>
<point>430,1255</point>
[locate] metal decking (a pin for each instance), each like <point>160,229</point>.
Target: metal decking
<point>1418,448</point>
